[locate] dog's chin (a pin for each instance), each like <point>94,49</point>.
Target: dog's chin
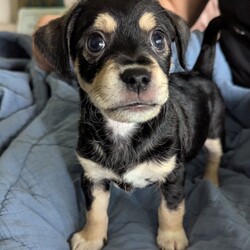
<point>134,113</point>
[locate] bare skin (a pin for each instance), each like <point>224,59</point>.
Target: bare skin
<point>189,10</point>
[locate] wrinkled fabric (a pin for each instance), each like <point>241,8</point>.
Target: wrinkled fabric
<point>41,204</point>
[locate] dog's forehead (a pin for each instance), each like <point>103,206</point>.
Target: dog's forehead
<point>109,14</point>
<point>108,23</point>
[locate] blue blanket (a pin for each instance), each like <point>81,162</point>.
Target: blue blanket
<point>40,200</point>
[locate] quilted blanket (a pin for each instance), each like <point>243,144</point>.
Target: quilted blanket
<point>40,200</point>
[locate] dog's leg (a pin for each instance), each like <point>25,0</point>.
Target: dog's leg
<point>94,234</point>
<point>171,234</point>
<point>214,150</point>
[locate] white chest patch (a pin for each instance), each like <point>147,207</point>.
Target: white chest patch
<point>149,172</point>
<point>121,129</point>
<point>96,172</point>
<point>139,177</point>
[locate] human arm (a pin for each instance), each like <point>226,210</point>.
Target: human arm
<point>189,10</point>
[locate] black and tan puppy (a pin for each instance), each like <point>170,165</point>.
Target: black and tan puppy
<point>139,124</point>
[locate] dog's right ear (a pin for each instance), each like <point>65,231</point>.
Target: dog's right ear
<point>52,41</point>
<point>180,36</point>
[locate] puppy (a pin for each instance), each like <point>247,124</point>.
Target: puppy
<point>139,124</point>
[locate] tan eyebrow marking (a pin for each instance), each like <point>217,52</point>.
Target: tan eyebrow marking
<point>147,21</point>
<point>105,22</point>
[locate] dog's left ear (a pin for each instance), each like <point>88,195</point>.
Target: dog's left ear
<point>180,36</point>
<point>52,41</point>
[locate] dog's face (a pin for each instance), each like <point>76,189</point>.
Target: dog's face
<point>120,51</point>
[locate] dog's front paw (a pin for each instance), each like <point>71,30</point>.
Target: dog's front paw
<point>80,241</point>
<point>172,240</point>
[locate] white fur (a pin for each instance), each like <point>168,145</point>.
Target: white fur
<point>121,129</point>
<point>149,172</point>
<point>139,176</point>
<point>96,172</point>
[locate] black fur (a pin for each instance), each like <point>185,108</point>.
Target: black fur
<point>67,41</point>
<point>87,186</point>
<point>173,188</point>
<point>193,112</point>
<point>181,128</point>
<point>126,46</point>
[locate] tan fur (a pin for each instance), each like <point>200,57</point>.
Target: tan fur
<point>147,22</point>
<point>214,149</point>
<point>170,219</point>
<point>105,22</point>
<point>108,91</point>
<point>96,227</point>
<point>171,234</point>
<point>101,89</point>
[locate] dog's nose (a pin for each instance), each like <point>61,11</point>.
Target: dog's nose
<point>137,79</point>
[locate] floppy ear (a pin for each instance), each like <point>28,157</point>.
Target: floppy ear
<point>180,36</point>
<point>52,41</point>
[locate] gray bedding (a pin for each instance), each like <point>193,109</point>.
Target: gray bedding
<point>40,201</point>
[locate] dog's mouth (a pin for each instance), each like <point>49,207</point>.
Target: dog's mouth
<point>134,107</point>
<point>133,111</point>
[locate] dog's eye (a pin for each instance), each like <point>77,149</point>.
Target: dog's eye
<point>95,43</point>
<point>158,40</point>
